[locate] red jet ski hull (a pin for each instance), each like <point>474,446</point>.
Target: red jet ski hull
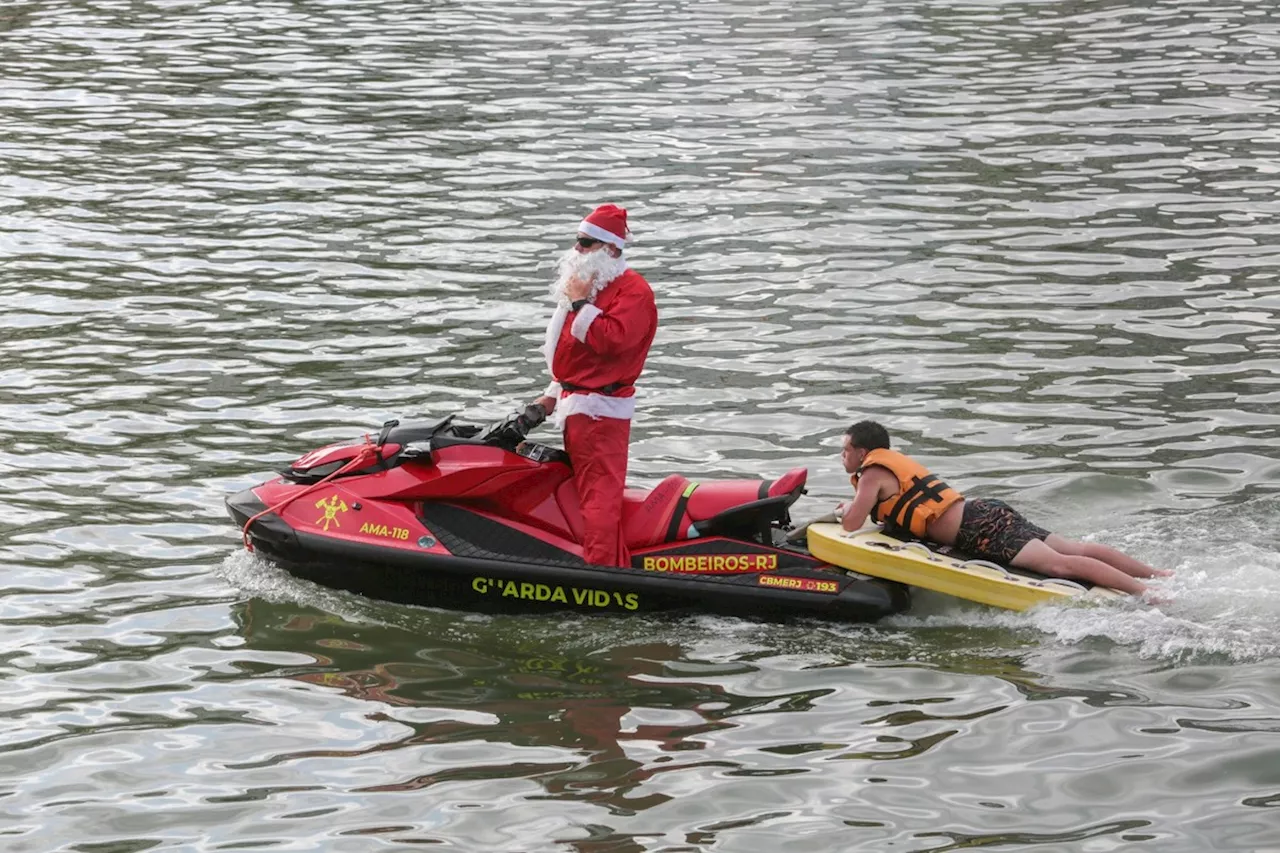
<point>453,516</point>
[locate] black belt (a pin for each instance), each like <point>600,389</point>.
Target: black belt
<point>607,389</point>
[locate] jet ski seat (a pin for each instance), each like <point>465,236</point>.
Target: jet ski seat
<point>678,508</point>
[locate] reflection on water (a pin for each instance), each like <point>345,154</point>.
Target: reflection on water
<point>636,727</point>
<point>1038,241</point>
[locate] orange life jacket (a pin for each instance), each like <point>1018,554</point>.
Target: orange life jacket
<point>921,496</point>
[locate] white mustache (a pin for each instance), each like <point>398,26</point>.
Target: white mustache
<point>598,267</point>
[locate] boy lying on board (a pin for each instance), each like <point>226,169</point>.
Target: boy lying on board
<point>895,490</point>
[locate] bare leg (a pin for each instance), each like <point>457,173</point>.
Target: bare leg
<point>1039,557</point>
<point>1106,554</point>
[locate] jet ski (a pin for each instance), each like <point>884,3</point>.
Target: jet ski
<point>480,517</point>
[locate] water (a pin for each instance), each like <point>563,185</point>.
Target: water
<point>1037,240</point>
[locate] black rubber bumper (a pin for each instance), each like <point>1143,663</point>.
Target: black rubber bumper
<point>269,532</point>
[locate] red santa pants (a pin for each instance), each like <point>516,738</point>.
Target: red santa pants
<point>598,448</point>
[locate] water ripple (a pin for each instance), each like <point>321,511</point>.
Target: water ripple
<point>1037,240</point>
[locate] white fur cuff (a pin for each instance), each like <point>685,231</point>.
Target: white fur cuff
<point>583,321</point>
<point>553,390</point>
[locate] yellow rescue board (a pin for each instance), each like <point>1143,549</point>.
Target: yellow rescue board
<point>870,552</point>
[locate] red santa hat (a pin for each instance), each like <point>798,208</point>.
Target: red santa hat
<point>608,222</point>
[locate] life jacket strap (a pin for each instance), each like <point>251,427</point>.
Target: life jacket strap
<point>927,488</point>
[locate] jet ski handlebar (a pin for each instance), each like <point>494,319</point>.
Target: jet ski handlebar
<point>511,430</point>
<point>419,439</point>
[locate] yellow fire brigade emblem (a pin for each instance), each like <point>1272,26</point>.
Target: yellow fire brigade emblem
<point>331,507</point>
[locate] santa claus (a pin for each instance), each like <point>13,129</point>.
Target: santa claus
<point>596,345</point>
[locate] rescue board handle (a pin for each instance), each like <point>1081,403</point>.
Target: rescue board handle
<point>1062,582</point>
<point>985,564</point>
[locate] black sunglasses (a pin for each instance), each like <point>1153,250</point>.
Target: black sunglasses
<point>588,242</point>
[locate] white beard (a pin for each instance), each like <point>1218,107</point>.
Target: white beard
<point>598,267</point>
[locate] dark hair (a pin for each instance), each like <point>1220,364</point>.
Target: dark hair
<point>868,435</point>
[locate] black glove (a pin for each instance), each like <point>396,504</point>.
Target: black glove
<point>532,415</point>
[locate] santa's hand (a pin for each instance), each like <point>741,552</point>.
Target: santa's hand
<point>576,288</point>
<point>533,414</point>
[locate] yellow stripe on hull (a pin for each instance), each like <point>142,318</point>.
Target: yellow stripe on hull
<point>870,552</point>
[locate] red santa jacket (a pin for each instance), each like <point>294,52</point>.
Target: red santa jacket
<point>596,354</point>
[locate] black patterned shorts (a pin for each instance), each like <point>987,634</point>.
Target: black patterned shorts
<point>993,530</point>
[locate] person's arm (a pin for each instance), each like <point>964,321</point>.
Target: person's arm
<point>548,402</point>
<point>866,497</point>
<point>629,320</point>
